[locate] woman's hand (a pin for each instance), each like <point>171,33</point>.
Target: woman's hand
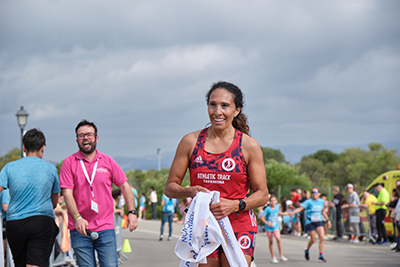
<point>224,207</point>
<point>196,189</point>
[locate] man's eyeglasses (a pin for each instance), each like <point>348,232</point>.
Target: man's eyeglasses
<point>82,135</point>
<point>314,192</point>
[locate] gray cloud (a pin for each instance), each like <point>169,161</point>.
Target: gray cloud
<point>312,72</point>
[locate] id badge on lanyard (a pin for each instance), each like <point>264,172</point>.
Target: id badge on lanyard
<point>93,204</point>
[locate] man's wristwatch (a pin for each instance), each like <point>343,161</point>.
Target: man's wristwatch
<point>242,204</point>
<point>134,212</point>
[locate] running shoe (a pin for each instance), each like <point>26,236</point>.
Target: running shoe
<point>274,260</point>
<point>355,240</point>
<point>307,254</point>
<point>393,245</point>
<point>321,259</point>
<point>283,258</point>
<point>161,237</point>
<point>169,238</point>
<point>385,242</point>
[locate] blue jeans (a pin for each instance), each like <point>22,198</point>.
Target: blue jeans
<point>167,217</point>
<point>105,245</point>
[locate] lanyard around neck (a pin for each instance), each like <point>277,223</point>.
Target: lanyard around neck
<point>90,181</point>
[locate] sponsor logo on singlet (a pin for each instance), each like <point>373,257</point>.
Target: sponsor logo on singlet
<point>244,242</point>
<point>228,164</point>
<point>198,160</point>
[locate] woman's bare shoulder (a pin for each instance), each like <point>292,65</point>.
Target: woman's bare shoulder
<point>188,141</point>
<point>249,143</point>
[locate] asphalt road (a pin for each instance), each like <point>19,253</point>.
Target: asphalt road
<point>147,250</point>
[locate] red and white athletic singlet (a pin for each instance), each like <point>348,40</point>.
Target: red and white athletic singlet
<point>224,172</point>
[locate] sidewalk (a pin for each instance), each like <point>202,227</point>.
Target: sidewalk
<point>147,250</point>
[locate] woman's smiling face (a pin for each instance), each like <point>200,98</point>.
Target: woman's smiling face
<point>221,108</point>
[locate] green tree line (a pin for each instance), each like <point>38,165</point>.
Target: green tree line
<point>323,169</point>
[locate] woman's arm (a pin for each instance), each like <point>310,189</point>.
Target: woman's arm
<point>173,188</point>
<point>256,169</point>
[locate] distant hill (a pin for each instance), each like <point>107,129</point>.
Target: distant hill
<point>147,162</point>
<point>293,154</point>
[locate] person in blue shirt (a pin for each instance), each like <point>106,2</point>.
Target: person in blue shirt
<point>168,209</point>
<point>5,201</point>
<point>315,210</point>
<point>142,207</point>
<point>270,219</point>
<point>34,190</point>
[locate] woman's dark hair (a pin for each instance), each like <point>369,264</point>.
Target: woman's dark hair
<point>86,123</point>
<point>33,140</point>
<point>283,203</point>
<point>240,121</point>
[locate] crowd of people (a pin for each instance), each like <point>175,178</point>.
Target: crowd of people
<point>221,157</point>
<point>312,215</point>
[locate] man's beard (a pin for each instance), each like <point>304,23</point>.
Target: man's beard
<point>88,150</point>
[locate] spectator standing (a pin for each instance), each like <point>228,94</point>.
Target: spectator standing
<point>380,206</point>
<point>294,196</point>
<point>168,210</point>
<point>305,194</point>
<point>34,190</point>
<point>299,191</point>
<point>295,220</point>
<point>353,201</point>
<point>323,220</point>
<point>135,196</point>
<point>397,220</point>
<point>86,180</point>
<point>367,201</point>
<point>116,194</point>
<point>286,223</point>
<point>337,203</point>
<point>391,206</point>
<point>142,207</point>
<point>153,203</point>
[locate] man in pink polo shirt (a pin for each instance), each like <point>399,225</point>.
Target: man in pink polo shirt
<point>86,180</point>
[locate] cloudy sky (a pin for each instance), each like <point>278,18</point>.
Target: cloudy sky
<point>313,72</point>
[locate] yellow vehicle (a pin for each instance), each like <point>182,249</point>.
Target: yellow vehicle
<point>388,179</point>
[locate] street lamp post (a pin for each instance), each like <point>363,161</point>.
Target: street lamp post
<point>22,117</point>
<point>159,158</point>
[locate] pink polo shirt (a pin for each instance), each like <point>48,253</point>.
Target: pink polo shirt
<point>108,173</point>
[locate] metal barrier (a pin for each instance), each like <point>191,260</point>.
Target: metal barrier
<point>62,257</point>
<point>118,227</point>
<point>57,257</point>
<point>363,222</point>
<point>8,255</point>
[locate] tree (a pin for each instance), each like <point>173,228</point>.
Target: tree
<point>325,156</point>
<point>313,168</point>
<point>270,153</point>
<point>285,175</point>
<point>11,155</point>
